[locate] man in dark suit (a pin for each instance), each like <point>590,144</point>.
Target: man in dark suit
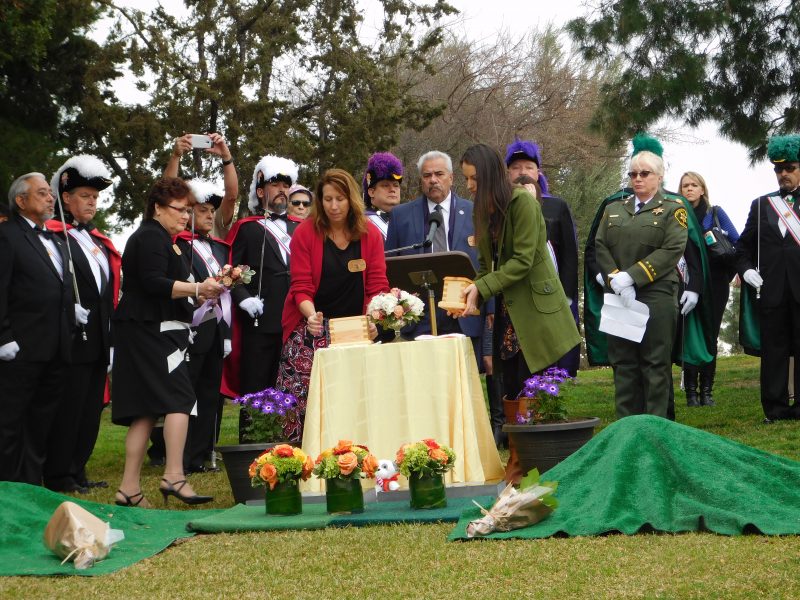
<point>37,316</point>
<point>768,259</point>
<point>97,265</point>
<point>409,225</point>
<point>262,242</point>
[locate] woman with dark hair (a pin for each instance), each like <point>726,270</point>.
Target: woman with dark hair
<point>533,325</point>
<point>337,267</point>
<point>693,188</point>
<point>151,333</point>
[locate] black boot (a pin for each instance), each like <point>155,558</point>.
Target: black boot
<point>690,385</point>
<point>707,383</point>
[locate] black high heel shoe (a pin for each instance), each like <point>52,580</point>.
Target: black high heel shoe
<point>129,500</point>
<point>173,489</point>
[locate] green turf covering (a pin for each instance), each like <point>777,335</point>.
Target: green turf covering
<point>645,473</point>
<point>26,509</point>
<point>314,516</point>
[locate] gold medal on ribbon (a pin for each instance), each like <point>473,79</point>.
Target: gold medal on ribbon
<point>177,250</point>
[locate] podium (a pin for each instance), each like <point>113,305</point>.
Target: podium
<point>427,271</point>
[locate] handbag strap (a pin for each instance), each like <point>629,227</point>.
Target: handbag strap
<point>715,217</point>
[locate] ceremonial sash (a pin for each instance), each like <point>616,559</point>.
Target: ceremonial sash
<point>786,215</point>
<point>221,310</point>
<point>283,239</point>
<point>552,252</point>
<point>92,250</point>
<point>382,225</point>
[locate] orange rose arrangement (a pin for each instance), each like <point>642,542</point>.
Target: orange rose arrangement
<point>346,461</point>
<point>280,464</point>
<point>426,458</point>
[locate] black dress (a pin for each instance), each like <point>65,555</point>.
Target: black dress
<point>150,377</point>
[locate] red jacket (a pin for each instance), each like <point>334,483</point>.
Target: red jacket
<point>306,270</point>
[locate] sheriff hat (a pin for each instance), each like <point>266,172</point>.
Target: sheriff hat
<point>784,148</point>
<point>205,191</point>
<point>80,171</point>
<point>269,169</point>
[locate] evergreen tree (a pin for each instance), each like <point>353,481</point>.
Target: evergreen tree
<point>732,62</point>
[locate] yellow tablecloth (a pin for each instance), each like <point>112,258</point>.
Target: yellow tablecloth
<point>385,395</point>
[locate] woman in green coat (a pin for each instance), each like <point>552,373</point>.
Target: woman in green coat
<point>533,325</point>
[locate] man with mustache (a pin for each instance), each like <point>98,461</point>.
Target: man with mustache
<point>37,317</point>
<point>97,264</point>
<point>262,242</point>
<point>768,260</point>
<point>409,225</point>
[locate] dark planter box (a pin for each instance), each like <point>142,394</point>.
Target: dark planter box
<point>237,460</point>
<point>544,445</point>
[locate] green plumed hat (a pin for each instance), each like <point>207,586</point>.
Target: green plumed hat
<point>642,142</point>
<point>784,148</point>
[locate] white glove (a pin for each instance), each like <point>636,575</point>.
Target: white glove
<point>620,281</point>
<point>689,301</point>
<point>110,359</point>
<point>9,351</point>
<point>752,277</point>
<point>600,279</point>
<point>81,315</point>
<point>627,295</point>
<point>226,348</point>
<point>252,306</point>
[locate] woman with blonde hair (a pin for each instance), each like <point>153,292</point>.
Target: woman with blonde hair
<point>337,267</point>
<point>693,188</point>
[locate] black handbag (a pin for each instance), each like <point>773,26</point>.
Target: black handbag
<point>719,246</point>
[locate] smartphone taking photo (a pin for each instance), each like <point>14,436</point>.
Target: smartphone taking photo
<point>201,141</point>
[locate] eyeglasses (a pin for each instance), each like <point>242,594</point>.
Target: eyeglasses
<point>183,211</point>
<point>781,168</point>
<point>305,203</point>
<point>642,174</point>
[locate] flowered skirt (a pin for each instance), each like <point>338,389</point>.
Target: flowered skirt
<point>294,373</point>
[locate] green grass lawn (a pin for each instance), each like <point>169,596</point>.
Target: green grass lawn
<point>415,561</point>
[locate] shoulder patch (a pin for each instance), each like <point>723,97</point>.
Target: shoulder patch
<point>680,217</point>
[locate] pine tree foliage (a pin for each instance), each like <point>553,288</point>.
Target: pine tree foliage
<point>733,62</point>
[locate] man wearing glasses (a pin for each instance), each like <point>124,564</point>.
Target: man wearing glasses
<point>768,260</point>
<point>300,201</point>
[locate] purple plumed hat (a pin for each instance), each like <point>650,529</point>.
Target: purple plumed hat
<point>381,166</point>
<point>527,150</point>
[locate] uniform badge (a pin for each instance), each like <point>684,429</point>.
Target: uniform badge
<point>177,250</point>
<point>471,241</point>
<point>680,217</point>
<point>357,265</point>
<point>658,211</point>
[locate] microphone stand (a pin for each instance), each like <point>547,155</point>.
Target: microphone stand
<point>417,246</point>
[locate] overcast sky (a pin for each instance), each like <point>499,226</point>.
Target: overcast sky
<point>732,182</point>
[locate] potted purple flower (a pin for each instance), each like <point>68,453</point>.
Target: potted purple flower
<point>270,415</point>
<point>542,431</point>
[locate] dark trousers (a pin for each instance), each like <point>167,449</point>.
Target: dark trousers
<point>30,393</point>
<point>259,360</point>
<point>75,430</point>
<point>780,338</point>
<point>205,371</point>
<point>643,372</point>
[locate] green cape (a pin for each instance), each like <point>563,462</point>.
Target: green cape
<point>698,346</point>
<point>749,325</point>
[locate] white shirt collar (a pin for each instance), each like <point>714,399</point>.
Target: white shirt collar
<point>32,224</point>
<point>445,204</point>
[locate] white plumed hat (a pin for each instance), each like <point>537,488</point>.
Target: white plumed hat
<point>82,170</point>
<point>205,191</point>
<point>270,167</point>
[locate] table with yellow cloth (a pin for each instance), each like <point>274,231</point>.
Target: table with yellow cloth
<point>385,395</point>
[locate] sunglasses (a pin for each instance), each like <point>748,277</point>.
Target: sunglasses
<point>642,174</point>
<point>782,168</point>
<point>305,203</point>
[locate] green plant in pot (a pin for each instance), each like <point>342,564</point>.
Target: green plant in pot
<point>424,464</point>
<point>544,434</point>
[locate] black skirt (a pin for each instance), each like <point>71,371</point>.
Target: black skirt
<point>150,377</point>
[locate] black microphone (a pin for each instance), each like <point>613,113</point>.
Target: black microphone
<point>435,220</point>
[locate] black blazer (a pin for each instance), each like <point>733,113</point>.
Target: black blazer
<point>101,307</point>
<point>562,234</point>
<point>246,250</point>
<point>206,332</point>
<point>780,256</point>
<point>150,267</point>
<point>36,306</point>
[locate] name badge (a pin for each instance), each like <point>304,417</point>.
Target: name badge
<point>471,240</point>
<point>177,250</point>
<point>357,265</point>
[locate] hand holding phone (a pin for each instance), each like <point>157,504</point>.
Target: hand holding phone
<point>201,141</point>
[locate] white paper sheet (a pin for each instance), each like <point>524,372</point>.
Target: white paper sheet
<point>628,323</point>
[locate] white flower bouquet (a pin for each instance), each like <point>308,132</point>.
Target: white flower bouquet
<point>395,309</point>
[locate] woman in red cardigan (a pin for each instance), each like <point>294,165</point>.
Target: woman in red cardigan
<point>337,266</point>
